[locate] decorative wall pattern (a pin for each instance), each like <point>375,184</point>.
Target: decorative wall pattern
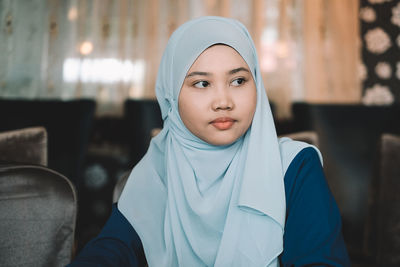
<point>380,33</point>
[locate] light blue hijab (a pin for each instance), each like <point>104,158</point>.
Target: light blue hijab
<point>196,204</point>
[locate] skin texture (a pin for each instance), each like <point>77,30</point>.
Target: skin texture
<point>218,97</point>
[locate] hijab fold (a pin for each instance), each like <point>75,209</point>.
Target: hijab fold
<point>196,204</point>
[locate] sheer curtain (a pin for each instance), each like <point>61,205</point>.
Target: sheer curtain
<point>110,50</point>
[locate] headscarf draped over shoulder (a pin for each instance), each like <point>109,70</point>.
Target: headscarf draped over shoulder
<point>196,204</point>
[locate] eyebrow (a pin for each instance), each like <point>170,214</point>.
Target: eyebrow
<point>202,73</point>
<point>238,70</point>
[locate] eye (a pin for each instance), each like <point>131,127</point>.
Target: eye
<point>201,84</point>
<point>238,81</point>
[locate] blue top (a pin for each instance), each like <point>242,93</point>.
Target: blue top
<point>313,233</point>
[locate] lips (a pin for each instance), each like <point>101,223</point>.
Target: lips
<point>223,123</point>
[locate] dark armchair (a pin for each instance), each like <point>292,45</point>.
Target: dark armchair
<point>67,123</point>
<point>382,242</point>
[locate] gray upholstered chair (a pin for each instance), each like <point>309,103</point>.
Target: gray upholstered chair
<point>28,145</point>
<point>37,216</point>
<point>37,205</point>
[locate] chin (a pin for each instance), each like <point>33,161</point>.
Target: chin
<point>221,141</point>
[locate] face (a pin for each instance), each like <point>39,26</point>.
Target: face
<point>218,97</point>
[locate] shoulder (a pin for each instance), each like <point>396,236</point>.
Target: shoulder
<point>293,151</point>
<point>304,173</point>
<point>117,244</point>
<point>313,223</point>
<point>307,155</point>
<point>302,167</point>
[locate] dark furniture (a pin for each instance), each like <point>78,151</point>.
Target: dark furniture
<point>383,232</point>
<point>349,137</point>
<point>141,117</point>
<point>68,125</point>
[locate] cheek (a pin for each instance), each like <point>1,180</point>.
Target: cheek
<point>253,99</point>
<point>192,102</point>
<point>248,101</point>
<point>189,107</point>
<point>182,105</point>
<point>254,102</point>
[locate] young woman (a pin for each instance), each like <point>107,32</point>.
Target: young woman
<point>217,187</point>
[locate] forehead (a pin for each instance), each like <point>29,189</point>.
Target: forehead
<point>194,38</point>
<point>218,57</point>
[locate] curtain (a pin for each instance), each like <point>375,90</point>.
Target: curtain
<point>110,50</point>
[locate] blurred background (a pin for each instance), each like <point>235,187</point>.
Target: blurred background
<point>86,70</point>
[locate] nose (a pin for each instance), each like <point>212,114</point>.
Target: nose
<point>222,99</point>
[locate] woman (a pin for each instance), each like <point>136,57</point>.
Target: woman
<point>217,187</point>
